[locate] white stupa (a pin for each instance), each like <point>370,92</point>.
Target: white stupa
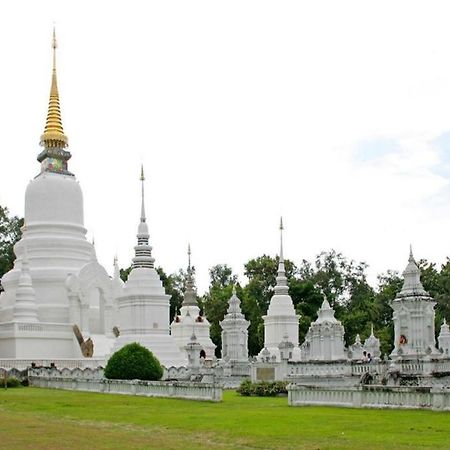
<point>56,281</point>
<point>189,322</point>
<point>144,304</point>
<point>444,339</point>
<point>234,332</point>
<point>413,317</point>
<point>326,336</point>
<point>281,319</point>
<point>372,345</point>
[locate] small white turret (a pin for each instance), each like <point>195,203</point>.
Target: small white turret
<point>190,321</point>
<point>234,332</point>
<point>325,336</point>
<point>372,345</point>
<point>444,339</point>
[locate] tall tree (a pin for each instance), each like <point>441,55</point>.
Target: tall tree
<point>10,233</point>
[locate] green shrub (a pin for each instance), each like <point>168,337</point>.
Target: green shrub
<point>262,388</point>
<point>245,388</point>
<point>11,382</point>
<point>133,362</point>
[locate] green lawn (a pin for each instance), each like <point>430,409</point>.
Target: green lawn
<point>40,418</point>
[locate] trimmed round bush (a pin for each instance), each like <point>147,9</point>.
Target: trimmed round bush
<point>133,362</point>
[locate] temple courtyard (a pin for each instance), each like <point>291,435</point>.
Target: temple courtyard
<point>41,418</point>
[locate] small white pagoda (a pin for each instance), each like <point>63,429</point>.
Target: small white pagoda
<point>189,322</point>
<point>144,304</point>
<point>372,346</point>
<point>234,332</point>
<point>281,321</point>
<point>325,337</point>
<point>413,317</point>
<point>444,339</point>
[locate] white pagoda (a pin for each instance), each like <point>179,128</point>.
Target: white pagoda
<point>234,332</point>
<point>325,337</point>
<point>189,322</point>
<point>144,305</point>
<point>281,321</point>
<point>56,281</point>
<point>413,317</point>
<point>444,339</point>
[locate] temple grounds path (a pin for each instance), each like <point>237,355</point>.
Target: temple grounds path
<point>33,418</point>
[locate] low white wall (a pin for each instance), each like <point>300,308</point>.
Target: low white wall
<point>370,397</point>
<point>73,363</point>
<point>171,389</point>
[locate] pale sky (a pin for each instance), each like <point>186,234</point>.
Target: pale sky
<point>334,114</point>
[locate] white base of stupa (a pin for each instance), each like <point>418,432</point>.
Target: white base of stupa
<point>40,340</point>
<point>163,346</point>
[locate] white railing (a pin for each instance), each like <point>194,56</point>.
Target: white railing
<point>370,397</point>
<point>71,363</point>
<point>171,389</point>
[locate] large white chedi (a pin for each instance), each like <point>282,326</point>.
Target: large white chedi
<point>190,322</point>
<point>144,305</point>
<point>281,321</point>
<point>234,332</point>
<point>56,281</point>
<point>413,317</point>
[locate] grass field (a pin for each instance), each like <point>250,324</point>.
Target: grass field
<point>33,418</point>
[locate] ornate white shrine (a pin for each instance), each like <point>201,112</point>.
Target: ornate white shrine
<point>190,322</point>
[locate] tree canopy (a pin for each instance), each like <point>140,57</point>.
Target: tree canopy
<point>10,233</point>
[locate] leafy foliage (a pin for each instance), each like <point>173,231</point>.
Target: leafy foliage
<point>133,362</point>
<point>10,233</point>
<point>11,382</point>
<point>262,388</point>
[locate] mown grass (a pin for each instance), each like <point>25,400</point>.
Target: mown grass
<point>41,418</point>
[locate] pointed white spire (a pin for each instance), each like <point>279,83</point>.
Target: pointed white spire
<point>326,313</point>
<point>281,287</point>
<point>143,251</point>
<point>281,239</point>
<point>234,305</point>
<point>116,268</point>
<point>190,296</point>
<point>143,219</point>
<point>412,284</point>
<point>25,308</point>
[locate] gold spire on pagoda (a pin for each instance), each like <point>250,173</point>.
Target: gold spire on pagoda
<point>53,136</point>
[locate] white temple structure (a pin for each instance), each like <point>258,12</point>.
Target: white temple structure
<point>56,281</point>
<point>281,319</point>
<point>234,332</point>
<point>325,338</point>
<point>144,305</point>
<point>372,345</point>
<point>444,339</point>
<point>413,317</point>
<point>189,322</point>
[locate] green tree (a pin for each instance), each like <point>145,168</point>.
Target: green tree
<point>10,233</point>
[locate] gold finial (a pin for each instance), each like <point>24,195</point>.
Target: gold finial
<point>53,136</point>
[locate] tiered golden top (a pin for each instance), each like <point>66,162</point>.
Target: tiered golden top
<point>54,136</point>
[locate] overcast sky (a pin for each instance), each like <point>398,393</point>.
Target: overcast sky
<point>334,114</point>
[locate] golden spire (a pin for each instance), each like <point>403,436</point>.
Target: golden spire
<point>54,136</point>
